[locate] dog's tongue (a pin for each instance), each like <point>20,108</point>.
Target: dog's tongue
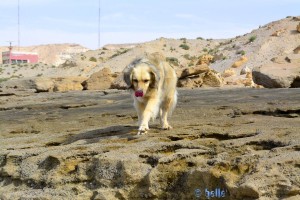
<point>139,93</point>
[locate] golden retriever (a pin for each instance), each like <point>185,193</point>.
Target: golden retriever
<point>152,83</point>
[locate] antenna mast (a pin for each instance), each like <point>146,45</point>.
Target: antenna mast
<point>18,25</point>
<point>99,24</point>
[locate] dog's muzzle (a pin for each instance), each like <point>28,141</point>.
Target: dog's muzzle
<point>139,93</point>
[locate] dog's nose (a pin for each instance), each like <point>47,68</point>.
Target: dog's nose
<point>139,93</point>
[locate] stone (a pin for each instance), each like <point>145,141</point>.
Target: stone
<point>240,62</point>
<point>212,79</point>
<point>298,27</point>
<point>44,84</point>
<point>119,83</point>
<point>191,71</point>
<point>205,59</point>
<point>65,84</point>
<point>248,82</point>
<point>249,74</point>
<point>100,80</point>
<point>190,82</point>
<point>228,73</point>
<point>276,75</point>
<point>245,70</point>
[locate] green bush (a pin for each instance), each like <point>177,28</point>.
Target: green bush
<point>93,59</point>
<point>200,38</point>
<point>119,53</point>
<point>184,46</point>
<point>252,38</point>
<point>242,52</point>
<point>172,61</point>
<point>187,56</point>
<point>3,79</point>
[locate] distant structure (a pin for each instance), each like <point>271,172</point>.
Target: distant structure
<point>16,57</point>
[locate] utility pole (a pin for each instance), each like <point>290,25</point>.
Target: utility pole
<point>99,15</point>
<point>18,25</point>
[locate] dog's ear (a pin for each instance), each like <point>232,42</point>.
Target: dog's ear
<point>127,75</point>
<point>154,78</point>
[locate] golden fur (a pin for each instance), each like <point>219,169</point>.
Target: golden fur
<point>156,81</point>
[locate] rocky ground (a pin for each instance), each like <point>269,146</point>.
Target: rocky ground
<point>227,143</point>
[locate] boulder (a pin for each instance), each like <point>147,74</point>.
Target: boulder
<point>65,84</point>
<point>100,80</point>
<point>249,74</point>
<point>207,79</point>
<point>245,70</point>
<point>190,82</point>
<point>298,28</point>
<point>228,73</point>
<point>212,79</point>
<point>198,76</point>
<point>190,71</point>
<point>119,83</point>
<point>44,84</point>
<point>276,75</point>
<point>205,59</point>
<point>248,81</point>
<point>240,62</point>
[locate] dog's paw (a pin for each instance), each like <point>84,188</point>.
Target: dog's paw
<point>166,127</point>
<point>143,130</point>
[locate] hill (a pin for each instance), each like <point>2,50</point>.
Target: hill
<point>227,57</point>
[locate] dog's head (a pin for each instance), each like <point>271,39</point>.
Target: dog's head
<point>141,76</point>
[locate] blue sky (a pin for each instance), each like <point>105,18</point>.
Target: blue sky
<point>129,21</point>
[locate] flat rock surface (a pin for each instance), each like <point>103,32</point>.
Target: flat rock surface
<point>226,144</point>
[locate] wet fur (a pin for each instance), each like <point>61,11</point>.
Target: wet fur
<point>158,81</point>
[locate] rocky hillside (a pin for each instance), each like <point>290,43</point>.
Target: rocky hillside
<point>234,58</point>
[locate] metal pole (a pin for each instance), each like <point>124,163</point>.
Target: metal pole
<point>99,25</point>
<point>18,25</point>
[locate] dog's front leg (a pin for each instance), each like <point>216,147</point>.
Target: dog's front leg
<point>151,110</point>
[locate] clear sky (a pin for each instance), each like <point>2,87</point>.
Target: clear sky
<point>129,21</point>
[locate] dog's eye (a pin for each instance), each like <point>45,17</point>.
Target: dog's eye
<point>146,81</point>
<point>134,80</point>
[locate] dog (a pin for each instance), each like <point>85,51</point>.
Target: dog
<point>152,83</point>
